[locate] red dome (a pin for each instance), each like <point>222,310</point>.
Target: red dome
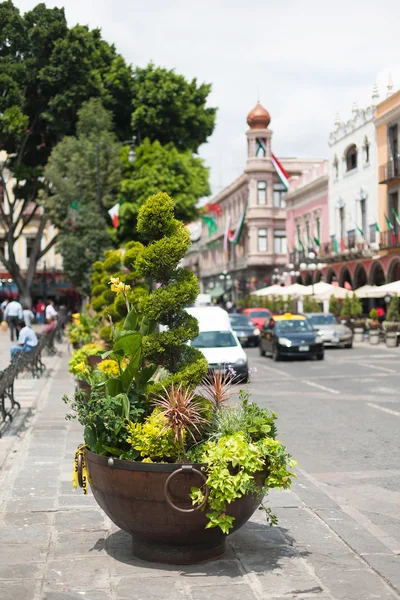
<point>258,118</point>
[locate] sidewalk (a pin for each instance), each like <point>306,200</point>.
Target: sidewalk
<point>56,544</point>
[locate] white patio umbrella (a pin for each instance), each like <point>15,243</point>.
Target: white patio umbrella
<point>298,290</point>
<point>320,288</point>
<point>336,291</point>
<point>368,291</point>
<point>272,290</point>
<point>382,290</point>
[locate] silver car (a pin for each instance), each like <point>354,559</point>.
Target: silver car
<point>332,332</point>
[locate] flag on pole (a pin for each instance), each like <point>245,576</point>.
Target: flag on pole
<point>211,224</point>
<point>391,229</point>
<point>317,242</point>
<point>360,231</point>
<point>114,214</point>
<point>377,228</point>
<point>281,172</point>
<point>335,245</point>
<point>261,145</point>
<point>342,244</point>
<point>396,216</point>
<point>234,236</point>
<point>226,234</point>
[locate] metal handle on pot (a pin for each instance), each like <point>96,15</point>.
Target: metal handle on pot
<point>185,469</point>
<point>80,471</point>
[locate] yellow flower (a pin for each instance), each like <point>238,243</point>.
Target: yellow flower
<point>117,286</point>
<point>76,316</point>
<point>81,368</point>
<point>109,368</point>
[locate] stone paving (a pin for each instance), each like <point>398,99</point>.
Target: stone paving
<point>56,544</point>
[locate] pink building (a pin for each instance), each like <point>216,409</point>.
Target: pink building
<point>307,219</point>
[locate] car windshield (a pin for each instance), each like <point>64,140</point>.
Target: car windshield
<point>240,321</point>
<point>259,313</point>
<point>294,326</point>
<point>214,339</point>
<point>322,319</point>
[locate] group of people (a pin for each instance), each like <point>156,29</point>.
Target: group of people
<point>20,318</point>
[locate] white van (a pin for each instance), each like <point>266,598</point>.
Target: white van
<point>217,340</point>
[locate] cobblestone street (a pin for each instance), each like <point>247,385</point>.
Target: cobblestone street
<point>56,544</point>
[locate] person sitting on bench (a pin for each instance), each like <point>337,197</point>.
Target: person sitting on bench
<point>27,341</point>
<point>50,327</point>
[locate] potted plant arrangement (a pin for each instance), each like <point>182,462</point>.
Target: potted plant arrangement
<point>391,325</point>
<point>166,456</point>
<point>80,330</point>
<point>374,328</point>
<point>84,365</point>
<point>356,310</point>
<point>345,313</point>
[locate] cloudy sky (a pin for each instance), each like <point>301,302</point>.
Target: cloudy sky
<point>305,60</point>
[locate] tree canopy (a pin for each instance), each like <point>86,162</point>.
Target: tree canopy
<point>157,169</point>
<point>84,174</point>
<point>168,108</point>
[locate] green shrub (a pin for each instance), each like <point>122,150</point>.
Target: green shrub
<point>373,314</point>
<point>346,308</point>
<point>334,306</point>
<point>393,310</point>
<point>356,308</point>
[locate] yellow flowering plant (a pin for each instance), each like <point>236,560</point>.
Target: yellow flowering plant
<point>110,368</point>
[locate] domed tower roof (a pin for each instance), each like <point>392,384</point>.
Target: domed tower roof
<point>258,118</point>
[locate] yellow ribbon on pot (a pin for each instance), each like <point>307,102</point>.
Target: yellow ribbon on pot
<point>80,452</point>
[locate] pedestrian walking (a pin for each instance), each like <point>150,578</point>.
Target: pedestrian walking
<point>50,311</point>
<point>27,340</point>
<point>13,314</point>
<point>28,316</point>
<point>39,310</point>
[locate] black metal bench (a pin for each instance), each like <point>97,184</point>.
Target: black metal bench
<point>32,361</point>
<point>7,378</point>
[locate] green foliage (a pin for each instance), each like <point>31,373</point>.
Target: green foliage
<point>334,306</point>
<point>311,305</point>
<point>83,328</point>
<point>393,310</point>
<point>346,308</point>
<point>373,314</point>
<point>356,307</point>
<point>168,108</point>
<point>153,440</point>
<point>81,355</point>
<point>158,169</point>
<point>47,71</point>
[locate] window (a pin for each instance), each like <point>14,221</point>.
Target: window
<point>336,167</point>
<point>308,233</point>
<point>280,246</point>
<point>29,246</point>
<point>372,233</point>
<point>341,221</point>
<point>351,238</point>
<point>363,206</point>
<point>279,191</point>
<point>262,240</point>
<point>366,150</point>
<point>262,193</point>
<point>3,246</point>
<point>317,228</point>
<point>214,339</point>
<point>351,158</point>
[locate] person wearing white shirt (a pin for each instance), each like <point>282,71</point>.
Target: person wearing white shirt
<point>27,340</point>
<point>28,316</point>
<point>50,311</point>
<point>13,315</point>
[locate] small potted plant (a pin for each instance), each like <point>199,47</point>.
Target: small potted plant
<point>166,456</point>
<point>374,328</point>
<point>80,331</point>
<point>82,365</point>
<point>345,313</point>
<point>391,325</point>
<point>356,310</point>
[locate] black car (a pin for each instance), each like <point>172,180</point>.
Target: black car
<point>247,332</point>
<point>290,335</point>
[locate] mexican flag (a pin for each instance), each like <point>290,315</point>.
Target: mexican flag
<point>281,172</point>
<point>114,214</point>
<point>390,226</point>
<point>261,145</point>
<point>234,236</point>
<point>335,246</point>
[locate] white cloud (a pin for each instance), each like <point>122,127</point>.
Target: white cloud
<point>306,60</point>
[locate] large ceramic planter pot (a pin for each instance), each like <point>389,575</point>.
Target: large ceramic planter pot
<point>83,385</point>
<point>94,360</point>
<point>391,339</point>
<point>150,501</point>
<point>374,336</point>
<point>358,334</point>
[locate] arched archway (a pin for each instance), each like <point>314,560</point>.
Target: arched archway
<point>360,276</point>
<point>345,277</point>
<point>299,279</point>
<point>307,278</point>
<point>330,275</point>
<point>393,273</point>
<point>377,274</point>
<point>317,276</point>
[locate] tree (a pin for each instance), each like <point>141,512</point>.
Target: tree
<point>334,306</point>
<point>393,310</point>
<point>84,173</point>
<point>356,307</point>
<point>311,305</point>
<point>157,169</point>
<point>346,308</point>
<point>46,72</point>
<point>168,108</point>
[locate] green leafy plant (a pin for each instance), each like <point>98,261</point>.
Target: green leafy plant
<point>311,305</point>
<point>346,308</point>
<point>393,314</point>
<point>334,306</point>
<point>356,307</point>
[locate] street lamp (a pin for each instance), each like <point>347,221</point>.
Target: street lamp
<point>225,277</point>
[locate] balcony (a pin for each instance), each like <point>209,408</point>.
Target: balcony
<point>390,171</point>
<point>390,238</point>
<point>347,249</point>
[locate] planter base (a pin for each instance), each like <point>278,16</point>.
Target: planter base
<point>176,555</point>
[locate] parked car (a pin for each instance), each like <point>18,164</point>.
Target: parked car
<point>248,334</point>
<point>218,342</point>
<point>332,332</point>
<point>258,316</point>
<point>290,335</point>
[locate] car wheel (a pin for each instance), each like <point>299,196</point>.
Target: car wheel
<point>320,356</point>
<point>260,348</point>
<point>276,355</point>
<point>349,345</point>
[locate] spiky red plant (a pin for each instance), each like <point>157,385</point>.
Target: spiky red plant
<point>217,387</point>
<point>182,411</point>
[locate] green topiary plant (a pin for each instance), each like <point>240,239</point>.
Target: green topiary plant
<point>346,308</point>
<point>393,311</point>
<point>356,307</point>
<point>334,306</point>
